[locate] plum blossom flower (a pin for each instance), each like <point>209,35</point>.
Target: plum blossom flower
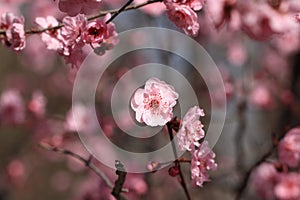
<point>184,17</point>
<point>74,7</point>
<point>154,104</point>
<point>191,129</point>
<point>98,31</point>
<point>289,148</point>
<point>288,186</point>
<point>51,38</point>
<point>263,180</point>
<point>14,31</point>
<point>194,4</point>
<point>202,161</point>
<point>297,16</point>
<point>12,109</point>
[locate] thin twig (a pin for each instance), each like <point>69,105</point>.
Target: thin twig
<point>87,162</point>
<point>119,11</point>
<point>100,14</point>
<point>177,163</point>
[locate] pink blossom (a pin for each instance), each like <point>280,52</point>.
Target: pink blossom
<point>37,105</point>
<point>261,97</point>
<point>264,178</point>
<point>193,4</point>
<point>297,16</point>
<point>74,7</point>
<point>154,9</point>
<point>289,148</point>
<point>98,31</point>
<point>15,34</point>
<point>154,104</point>
<point>183,17</point>
<point>51,38</point>
<point>12,110</point>
<point>72,30</point>
<point>80,118</point>
<point>191,129</point>
<point>288,186</point>
<point>202,161</point>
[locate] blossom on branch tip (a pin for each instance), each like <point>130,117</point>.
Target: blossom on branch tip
<point>202,161</point>
<point>191,130</point>
<point>154,104</point>
<point>288,186</point>
<point>14,31</point>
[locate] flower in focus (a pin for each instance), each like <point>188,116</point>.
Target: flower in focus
<point>98,31</point>
<point>74,7</point>
<point>202,161</point>
<point>184,17</point>
<point>289,148</point>
<point>14,31</point>
<point>191,129</point>
<point>196,5</point>
<point>264,179</point>
<point>154,104</point>
<point>288,186</point>
<point>12,110</point>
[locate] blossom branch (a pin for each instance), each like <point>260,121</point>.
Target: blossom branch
<point>87,162</point>
<point>116,192</point>
<point>119,11</point>
<point>100,14</point>
<point>177,163</point>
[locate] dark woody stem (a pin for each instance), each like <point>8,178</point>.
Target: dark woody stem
<point>88,163</point>
<point>177,163</point>
<point>115,12</point>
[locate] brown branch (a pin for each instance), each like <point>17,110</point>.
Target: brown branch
<point>87,163</point>
<point>116,192</point>
<point>119,11</point>
<point>177,163</point>
<point>100,14</point>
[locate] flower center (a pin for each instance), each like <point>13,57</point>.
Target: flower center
<point>154,103</point>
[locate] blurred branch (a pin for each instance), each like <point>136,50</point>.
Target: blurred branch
<point>177,163</point>
<point>87,162</point>
<point>256,164</point>
<point>239,134</point>
<point>116,192</point>
<point>100,14</point>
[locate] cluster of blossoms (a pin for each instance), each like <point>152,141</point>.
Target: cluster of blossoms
<point>154,105</point>
<point>258,19</point>
<point>13,26</point>
<point>69,40</point>
<point>182,13</point>
<point>274,180</point>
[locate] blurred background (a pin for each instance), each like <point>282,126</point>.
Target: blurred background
<point>260,75</point>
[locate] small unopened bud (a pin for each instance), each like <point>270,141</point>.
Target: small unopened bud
<point>173,171</point>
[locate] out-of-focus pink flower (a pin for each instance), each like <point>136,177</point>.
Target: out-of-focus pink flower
<point>184,17</point>
<point>261,97</point>
<point>51,38</point>
<point>288,186</point>
<point>263,180</point>
<point>15,34</point>
<point>74,7</point>
<point>289,148</point>
<point>191,129</point>
<point>224,11</point>
<point>37,105</point>
<point>202,161</point>
<point>236,53</point>
<point>154,104</point>
<point>297,16</point>
<point>80,118</point>
<point>12,110</point>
